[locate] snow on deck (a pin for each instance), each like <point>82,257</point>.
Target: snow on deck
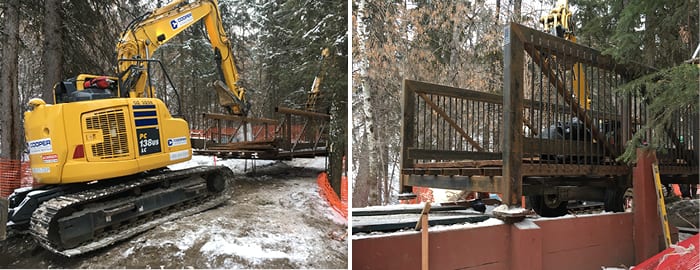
<point>415,217</point>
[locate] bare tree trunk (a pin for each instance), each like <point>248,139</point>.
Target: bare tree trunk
<point>10,128</point>
<point>649,40</point>
<point>498,10</point>
<point>370,182</point>
<point>517,14</point>
<point>386,160</point>
<point>52,56</point>
<point>454,67</point>
<point>360,190</point>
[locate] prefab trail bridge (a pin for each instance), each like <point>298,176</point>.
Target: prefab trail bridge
<point>297,133</point>
<point>536,138</point>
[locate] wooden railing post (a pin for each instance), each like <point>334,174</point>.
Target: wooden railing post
<point>407,130</point>
<point>512,116</point>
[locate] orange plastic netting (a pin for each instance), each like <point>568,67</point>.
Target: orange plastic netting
<point>340,205</point>
<point>423,194</point>
<point>14,174</point>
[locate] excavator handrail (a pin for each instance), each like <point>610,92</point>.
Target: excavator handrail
<point>167,77</point>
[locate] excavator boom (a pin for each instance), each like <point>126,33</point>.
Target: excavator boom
<point>316,85</point>
<point>149,32</point>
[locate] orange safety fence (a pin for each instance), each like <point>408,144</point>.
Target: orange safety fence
<point>344,190</point>
<point>263,132</point>
<point>14,174</point>
<point>340,205</point>
<point>677,190</point>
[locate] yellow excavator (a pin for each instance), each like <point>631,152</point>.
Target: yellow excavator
<point>102,149</point>
<point>559,22</point>
<point>315,92</point>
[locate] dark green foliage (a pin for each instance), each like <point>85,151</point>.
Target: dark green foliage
<point>89,36</point>
<point>668,92</point>
<point>657,34</point>
<point>291,43</point>
<point>660,34</point>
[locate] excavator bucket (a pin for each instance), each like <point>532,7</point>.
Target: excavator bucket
<point>4,205</point>
<point>227,99</point>
<point>224,94</point>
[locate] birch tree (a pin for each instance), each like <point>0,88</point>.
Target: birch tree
<point>364,183</point>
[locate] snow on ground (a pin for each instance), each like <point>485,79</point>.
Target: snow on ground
<point>245,165</point>
<point>236,165</point>
<point>274,219</point>
<point>318,163</point>
<point>505,209</point>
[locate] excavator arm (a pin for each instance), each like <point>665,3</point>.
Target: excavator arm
<point>315,92</point>
<point>148,32</point>
<point>559,22</point>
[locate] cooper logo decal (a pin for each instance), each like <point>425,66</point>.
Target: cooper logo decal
<point>40,146</point>
<point>177,141</point>
<point>179,21</point>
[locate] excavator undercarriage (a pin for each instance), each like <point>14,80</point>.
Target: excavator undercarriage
<point>78,218</point>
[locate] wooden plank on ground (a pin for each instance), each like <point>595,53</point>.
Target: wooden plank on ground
<point>395,226</point>
<point>363,213</point>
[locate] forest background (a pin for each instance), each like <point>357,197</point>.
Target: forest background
<point>277,47</point>
<point>459,44</point>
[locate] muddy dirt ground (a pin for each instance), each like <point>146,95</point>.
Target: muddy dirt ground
<point>275,219</point>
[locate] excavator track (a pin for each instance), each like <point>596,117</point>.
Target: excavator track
<point>81,222</point>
